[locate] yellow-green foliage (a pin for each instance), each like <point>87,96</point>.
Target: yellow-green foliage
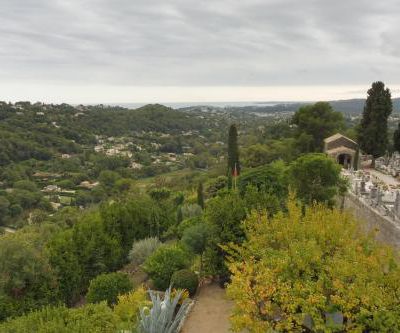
<point>91,318</point>
<point>297,268</point>
<point>128,306</point>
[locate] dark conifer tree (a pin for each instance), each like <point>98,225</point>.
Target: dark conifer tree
<point>179,215</point>
<point>396,139</point>
<point>373,130</point>
<point>200,195</point>
<point>233,154</point>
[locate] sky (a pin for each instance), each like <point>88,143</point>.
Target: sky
<point>134,51</point>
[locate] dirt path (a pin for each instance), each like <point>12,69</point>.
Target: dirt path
<point>210,313</point>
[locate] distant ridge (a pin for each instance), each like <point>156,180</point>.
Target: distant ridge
<point>356,106</point>
<point>347,106</point>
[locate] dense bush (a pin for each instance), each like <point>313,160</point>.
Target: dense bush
<point>128,307</point>
<point>135,218</point>
<point>312,270</point>
<point>27,280</point>
<point>91,318</point>
<point>269,178</point>
<point>166,260</point>
<point>185,279</point>
<point>224,215</point>
<point>190,211</point>
<point>107,287</point>
<point>196,238</point>
<point>142,249</point>
<point>315,177</point>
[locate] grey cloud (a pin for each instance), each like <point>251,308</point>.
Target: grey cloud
<point>189,43</point>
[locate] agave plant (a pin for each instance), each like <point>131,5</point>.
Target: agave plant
<point>161,318</point>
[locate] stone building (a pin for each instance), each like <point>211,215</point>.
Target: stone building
<point>342,149</point>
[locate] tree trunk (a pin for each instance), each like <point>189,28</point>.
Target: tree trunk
<point>373,162</point>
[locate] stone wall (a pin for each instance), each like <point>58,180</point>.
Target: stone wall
<point>388,231</point>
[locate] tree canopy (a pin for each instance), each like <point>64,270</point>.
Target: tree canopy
<point>373,129</point>
<point>315,177</point>
<point>313,271</point>
<point>315,123</point>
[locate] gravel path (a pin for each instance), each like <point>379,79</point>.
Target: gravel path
<point>210,313</point>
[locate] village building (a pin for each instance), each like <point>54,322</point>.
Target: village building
<point>135,165</point>
<point>342,149</point>
<point>88,185</point>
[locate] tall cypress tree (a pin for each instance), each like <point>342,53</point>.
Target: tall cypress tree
<point>373,129</point>
<point>233,154</point>
<point>200,195</point>
<point>396,139</point>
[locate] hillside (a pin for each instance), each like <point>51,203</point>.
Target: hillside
<point>54,156</point>
<point>350,107</point>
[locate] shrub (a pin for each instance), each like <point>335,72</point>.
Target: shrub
<point>186,224</point>
<point>91,318</point>
<point>325,175</point>
<point>312,270</point>
<point>128,307</point>
<point>159,194</point>
<point>142,249</point>
<point>162,318</point>
<point>107,287</point>
<point>166,260</point>
<point>185,279</point>
<point>191,210</point>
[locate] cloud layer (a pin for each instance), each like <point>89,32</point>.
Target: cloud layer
<point>199,43</point>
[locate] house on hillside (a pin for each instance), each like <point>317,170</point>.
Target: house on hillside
<point>342,149</point>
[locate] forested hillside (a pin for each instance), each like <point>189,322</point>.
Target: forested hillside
<point>108,203</point>
<point>54,156</point>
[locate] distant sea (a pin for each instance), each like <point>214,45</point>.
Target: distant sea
<point>191,104</point>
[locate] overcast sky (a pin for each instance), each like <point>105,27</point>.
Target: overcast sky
<point>112,51</point>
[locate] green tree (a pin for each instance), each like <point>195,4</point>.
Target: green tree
<point>270,178</point>
<point>318,121</point>
<point>315,177</point>
<point>4,206</point>
<point>108,178</point>
<point>134,219</point>
<point>396,139</point>
<point>166,260</point>
<point>233,153</point>
<point>373,129</point>
<point>216,185</point>
<point>185,279</point>
<point>96,250</point>
<point>223,215</point>
<point>26,185</point>
<point>27,281</point>
<point>63,259</point>
<point>200,195</point>
<point>312,270</point>
<point>196,238</point>
<point>107,287</point>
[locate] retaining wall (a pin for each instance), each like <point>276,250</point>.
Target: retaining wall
<point>388,231</point>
